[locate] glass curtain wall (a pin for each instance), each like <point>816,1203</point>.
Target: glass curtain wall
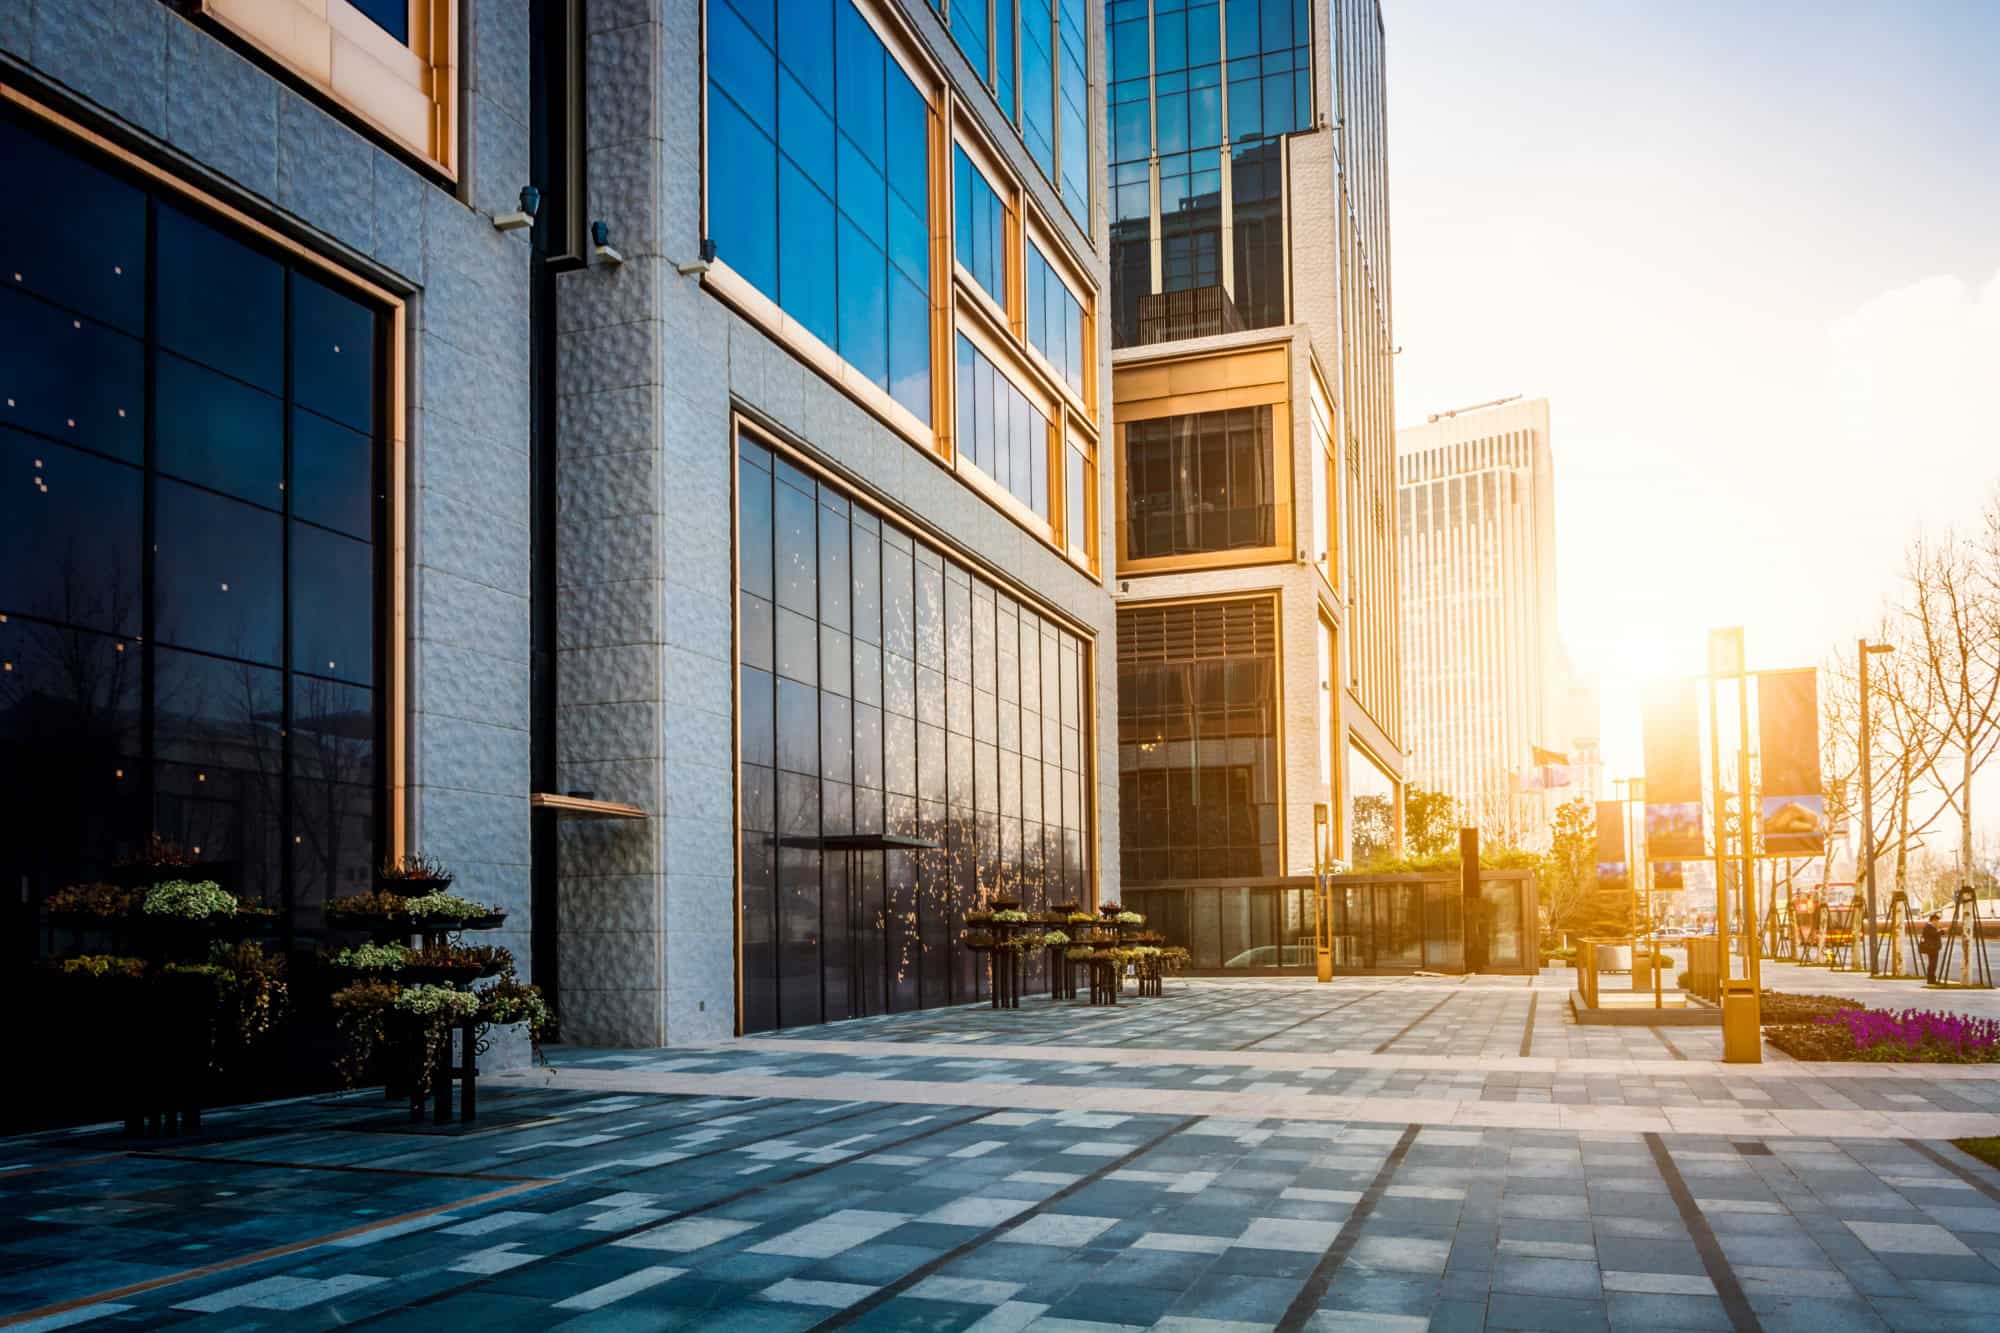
<point>1000,431</point>
<point>1199,483</point>
<point>1198,740</point>
<point>818,167</point>
<point>1209,89</point>
<point>1052,113</point>
<point>1371,810</point>
<point>189,572</point>
<point>1055,320</point>
<point>886,689</point>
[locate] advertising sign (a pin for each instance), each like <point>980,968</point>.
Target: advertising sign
<point>1673,771</point>
<point>1793,803</point>
<point>1614,874</point>
<point>1669,876</point>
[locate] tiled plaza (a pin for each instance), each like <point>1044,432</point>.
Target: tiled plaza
<point>1378,1153</point>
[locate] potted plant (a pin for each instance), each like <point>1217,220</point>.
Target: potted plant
<point>413,876</point>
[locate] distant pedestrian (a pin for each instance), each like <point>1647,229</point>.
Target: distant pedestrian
<point>1928,946</point>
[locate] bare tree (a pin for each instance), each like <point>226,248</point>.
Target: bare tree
<point>1954,637</point>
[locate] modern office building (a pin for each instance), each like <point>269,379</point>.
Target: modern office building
<point>711,571</point>
<point>1487,681</point>
<point>1253,420</point>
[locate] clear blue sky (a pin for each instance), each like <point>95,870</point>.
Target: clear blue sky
<point>1751,254</point>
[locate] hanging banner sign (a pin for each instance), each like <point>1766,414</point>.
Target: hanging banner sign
<point>1673,737</point>
<point>1669,877</point>
<point>1673,771</point>
<point>1614,875</point>
<point>1793,803</point>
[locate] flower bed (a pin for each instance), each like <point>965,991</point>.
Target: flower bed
<point>1914,1036</point>
<point>1781,1007</point>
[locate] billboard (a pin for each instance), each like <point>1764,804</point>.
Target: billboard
<point>1793,803</point>
<point>1614,874</point>
<point>1673,771</point>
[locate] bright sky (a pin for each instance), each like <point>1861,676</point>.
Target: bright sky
<point>1751,254</point>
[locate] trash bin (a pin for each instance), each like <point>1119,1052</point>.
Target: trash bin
<point>1614,958</point>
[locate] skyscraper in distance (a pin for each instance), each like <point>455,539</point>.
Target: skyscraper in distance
<point>1494,717</point>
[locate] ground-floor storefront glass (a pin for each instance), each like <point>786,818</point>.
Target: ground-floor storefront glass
<point>913,744</point>
<point>192,427</point>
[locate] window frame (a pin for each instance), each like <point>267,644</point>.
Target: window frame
<point>1253,376</point>
<point>405,92</point>
<point>392,777</point>
<point>764,311</point>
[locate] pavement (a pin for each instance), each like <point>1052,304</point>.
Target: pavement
<point>1385,1153</point>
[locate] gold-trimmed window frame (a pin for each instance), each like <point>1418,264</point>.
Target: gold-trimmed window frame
<point>1254,376</point>
<point>394,773</point>
<point>408,93</point>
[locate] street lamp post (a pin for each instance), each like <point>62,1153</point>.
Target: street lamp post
<point>1863,651</point>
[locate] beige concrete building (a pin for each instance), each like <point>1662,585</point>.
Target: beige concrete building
<point>1485,675</point>
<point>1253,417</point>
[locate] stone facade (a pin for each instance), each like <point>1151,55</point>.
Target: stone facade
<point>653,365</point>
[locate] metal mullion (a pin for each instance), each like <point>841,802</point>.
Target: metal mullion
<point>287,887</point>
<point>149,533</point>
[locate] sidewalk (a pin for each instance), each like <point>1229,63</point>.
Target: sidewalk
<point>1170,1163</point>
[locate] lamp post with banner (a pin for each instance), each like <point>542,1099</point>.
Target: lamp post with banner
<point>1742,1031</point>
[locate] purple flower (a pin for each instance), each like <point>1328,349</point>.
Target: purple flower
<point>1918,1034</point>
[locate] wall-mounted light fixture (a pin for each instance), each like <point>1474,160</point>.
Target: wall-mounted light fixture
<point>696,267</point>
<point>524,216</point>
<point>600,240</point>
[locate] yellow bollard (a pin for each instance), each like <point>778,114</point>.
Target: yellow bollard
<point>1742,1028</point>
<point>1324,957</point>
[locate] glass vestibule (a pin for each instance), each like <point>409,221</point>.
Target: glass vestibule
<point>192,425</point>
<point>912,745</point>
<point>1397,923</point>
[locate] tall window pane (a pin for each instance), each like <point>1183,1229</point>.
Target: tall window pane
<point>259,494</point>
<point>1198,483</point>
<point>817,181</point>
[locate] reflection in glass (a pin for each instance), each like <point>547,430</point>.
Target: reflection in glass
<point>896,727</point>
<point>218,582</point>
<point>279,807</point>
<point>818,182</point>
<point>70,378</point>
<point>1201,482</point>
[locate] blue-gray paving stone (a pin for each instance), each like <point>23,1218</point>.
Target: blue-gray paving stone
<point>1573,1278</point>
<point>1638,1311</point>
<point>1631,1254</point>
<point>1458,1316</point>
<point>1544,1314</point>
<point>1256,1300</point>
<point>1106,1303</point>
<point>1381,1293</point>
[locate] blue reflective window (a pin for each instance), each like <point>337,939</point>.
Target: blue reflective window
<point>818,181</point>
<point>70,524</point>
<point>333,354</point>
<point>806,288</point>
<point>970,20</point>
<point>89,258</point>
<point>217,584</point>
<point>1000,432</point>
<point>864,303</point>
<point>981,227</point>
<point>219,433</point>
<point>220,302</point>
<point>1004,33</point>
<point>70,378</point>
<point>1055,319</point>
<point>333,481</point>
<point>247,518</point>
<point>334,577</point>
<point>1038,84</point>
<point>1074,81</point>
<point>393,16</point>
